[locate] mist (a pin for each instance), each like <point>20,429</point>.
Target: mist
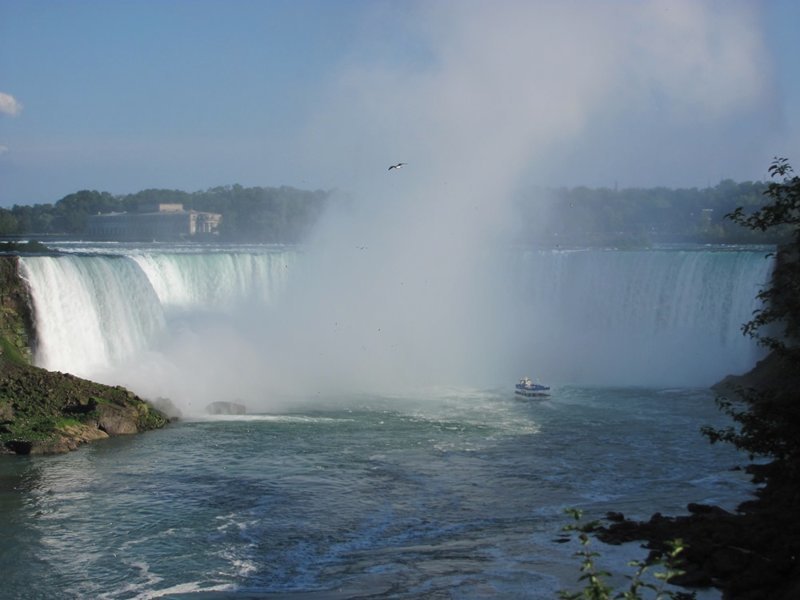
<point>406,283</point>
<point>409,284</point>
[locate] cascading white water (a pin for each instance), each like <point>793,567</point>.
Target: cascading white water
<point>655,317</point>
<point>90,311</point>
<point>215,281</point>
<point>642,317</point>
<point>97,311</point>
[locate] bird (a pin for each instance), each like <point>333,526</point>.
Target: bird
<point>397,166</point>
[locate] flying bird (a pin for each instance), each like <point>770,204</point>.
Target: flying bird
<point>398,166</point>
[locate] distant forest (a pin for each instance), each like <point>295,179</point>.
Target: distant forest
<point>561,216</point>
<point>255,214</point>
<point>643,216</point>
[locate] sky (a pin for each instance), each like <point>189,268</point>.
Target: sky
<point>320,94</point>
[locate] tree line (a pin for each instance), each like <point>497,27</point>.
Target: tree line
<point>249,214</point>
<point>577,215</point>
<point>641,216</point>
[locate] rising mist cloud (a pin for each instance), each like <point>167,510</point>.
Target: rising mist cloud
<point>509,85</point>
<point>498,90</point>
<point>411,284</point>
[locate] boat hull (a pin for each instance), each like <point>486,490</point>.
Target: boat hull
<point>532,393</point>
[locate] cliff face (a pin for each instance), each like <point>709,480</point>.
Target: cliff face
<point>44,412</point>
<point>17,334</point>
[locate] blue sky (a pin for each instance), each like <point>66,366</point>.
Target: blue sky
<point>126,95</point>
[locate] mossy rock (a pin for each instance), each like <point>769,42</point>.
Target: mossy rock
<point>43,412</point>
<point>16,317</point>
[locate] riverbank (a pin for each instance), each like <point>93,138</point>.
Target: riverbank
<point>752,553</point>
<point>43,412</point>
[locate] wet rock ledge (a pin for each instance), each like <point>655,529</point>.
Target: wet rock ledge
<point>45,412</point>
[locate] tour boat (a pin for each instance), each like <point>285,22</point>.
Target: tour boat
<point>528,389</point>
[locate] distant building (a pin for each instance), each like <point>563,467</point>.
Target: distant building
<point>153,222</point>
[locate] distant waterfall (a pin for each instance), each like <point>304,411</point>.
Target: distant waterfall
<point>641,317</point>
<point>92,311</point>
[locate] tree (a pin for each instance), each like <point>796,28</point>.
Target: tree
<point>768,416</point>
<point>8,222</point>
<point>776,324</point>
<point>72,210</point>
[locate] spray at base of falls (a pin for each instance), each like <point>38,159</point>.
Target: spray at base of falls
<point>199,327</point>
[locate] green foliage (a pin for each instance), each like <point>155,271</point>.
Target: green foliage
<point>632,217</point>
<point>29,428</point>
<point>777,324</point>
<point>257,214</point>
<point>36,406</point>
<point>781,299</point>
<point>768,419</point>
<point>10,351</point>
<point>150,419</point>
<point>642,216</point>
<point>595,586</point>
<point>65,422</point>
<point>8,222</point>
<point>767,424</point>
<point>32,247</point>
<point>784,208</point>
<point>71,211</point>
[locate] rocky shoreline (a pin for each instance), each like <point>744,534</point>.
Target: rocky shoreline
<point>45,412</point>
<point>750,554</point>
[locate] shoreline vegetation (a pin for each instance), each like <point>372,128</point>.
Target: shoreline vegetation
<point>556,217</point>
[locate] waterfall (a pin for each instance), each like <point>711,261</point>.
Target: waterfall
<point>642,317</point>
<point>654,317</point>
<point>215,281</point>
<point>93,311</point>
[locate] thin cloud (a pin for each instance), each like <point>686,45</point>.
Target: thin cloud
<point>9,105</point>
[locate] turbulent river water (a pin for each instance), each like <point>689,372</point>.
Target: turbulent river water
<point>433,491</point>
<point>451,494</point>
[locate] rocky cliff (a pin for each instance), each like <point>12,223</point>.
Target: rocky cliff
<point>44,412</point>
<point>17,334</point>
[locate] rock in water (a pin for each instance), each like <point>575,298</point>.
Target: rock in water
<point>226,408</point>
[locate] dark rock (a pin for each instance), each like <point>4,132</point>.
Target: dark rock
<point>705,509</point>
<point>226,408</point>
<point>727,560</point>
<point>117,420</point>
